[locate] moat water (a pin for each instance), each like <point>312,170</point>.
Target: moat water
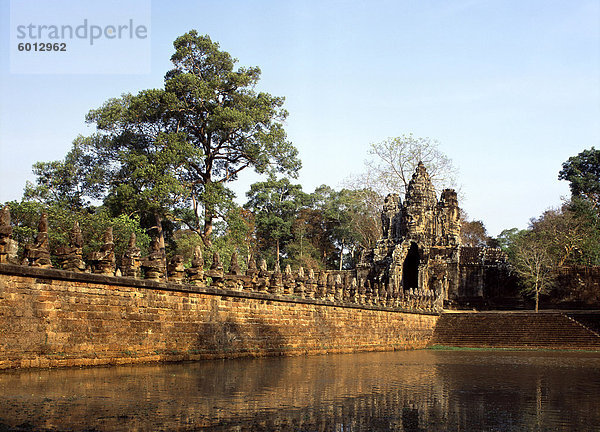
<point>398,391</point>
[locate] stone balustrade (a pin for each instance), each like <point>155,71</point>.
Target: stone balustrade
<point>334,286</point>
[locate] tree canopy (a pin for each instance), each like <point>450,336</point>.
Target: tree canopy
<point>583,174</point>
<point>171,152</point>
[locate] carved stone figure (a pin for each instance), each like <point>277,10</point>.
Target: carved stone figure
<point>38,253</point>
<point>216,268</point>
<point>71,257</point>
<point>196,272</point>
<point>154,264</point>
<point>252,269</point>
<point>130,263</point>
<point>175,269</point>
<point>419,244</point>
<point>234,266</point>
<point>8,246</point>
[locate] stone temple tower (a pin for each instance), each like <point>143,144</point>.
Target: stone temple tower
<point>419,249</point>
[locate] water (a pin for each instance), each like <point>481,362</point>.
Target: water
<point>399,391</point>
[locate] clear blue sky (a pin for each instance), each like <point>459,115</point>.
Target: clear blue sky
<point>511,89</point>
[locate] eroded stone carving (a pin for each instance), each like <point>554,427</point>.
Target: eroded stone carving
<point>154,264</point>
<point>38,253</point>
<point>103,261</point>
<point>130,263</point>
<point>216,270</point>
<point>234,266</point>
<point>419,249</point>
<point>71,257</point>
<point>196,272</point>
<point>175,269</point>
<point>8,246</point>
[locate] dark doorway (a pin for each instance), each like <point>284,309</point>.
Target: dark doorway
<point>410,268</point>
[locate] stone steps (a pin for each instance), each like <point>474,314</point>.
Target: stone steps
<point>516,330</point>
<point>589,320</point>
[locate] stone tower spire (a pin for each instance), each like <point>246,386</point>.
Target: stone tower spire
<point>420,189</point>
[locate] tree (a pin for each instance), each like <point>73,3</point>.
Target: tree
<point>533,263</point>
<point>349,221</point>
<point>275,204</point>
<point>311,243</point>
<point>589,219</point>
<point>365,213</point>
<point>563,233</point>
<point>583,174</point>
<point>395,159</point>
<point>71,182</point>
<point>473,233</point>
<point>171,152</point>
<point>506,239</point>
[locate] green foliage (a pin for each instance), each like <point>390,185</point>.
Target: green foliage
<point>71,182</point>
<point>506,240</point>
<point>473,233</point>
<point>169,153</point>
<point>559,237</point>
<point>343,213</point>
<point>233,236</point>
<point>274,204</point>
<point>324,229</point>
<point>583,174</point>
<point>25,216</point>
<point>587,216</point>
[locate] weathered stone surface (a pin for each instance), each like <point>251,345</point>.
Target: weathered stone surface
<point>103,261</point>
<point>71,257</point>
<point>8,246</point>
<point>154,265</point>
<point>234,266</point>
<point>252,269</point>
<point>216,268</point>
<point>38,253</point>
<point>175,269</point>
<point>54,318</point>
<point>130,263</point>
<point>196,272</point>
<point>420,251</point>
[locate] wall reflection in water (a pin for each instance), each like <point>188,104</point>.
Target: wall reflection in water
<point>403,391</point>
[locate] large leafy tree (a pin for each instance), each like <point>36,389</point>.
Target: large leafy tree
<point>275,204</point>
<point>583,174</point>
<point>71,182</point>
<point>473,233</point>
<point>311,244</point>
<point>564,234</point>
<point>170,153</point>
<point>345,215</point>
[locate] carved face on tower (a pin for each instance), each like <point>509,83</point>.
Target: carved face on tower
<point>419,206</point>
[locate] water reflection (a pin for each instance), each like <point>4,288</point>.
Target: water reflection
<point>402,391</point>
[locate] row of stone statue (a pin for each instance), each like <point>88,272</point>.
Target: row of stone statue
<point>338,286</point>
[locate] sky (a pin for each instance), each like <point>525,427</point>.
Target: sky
<point>510,89</point>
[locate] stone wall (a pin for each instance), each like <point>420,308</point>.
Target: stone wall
<point>53,318</point>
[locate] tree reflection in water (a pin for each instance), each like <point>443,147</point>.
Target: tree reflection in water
<point>401,391</point>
